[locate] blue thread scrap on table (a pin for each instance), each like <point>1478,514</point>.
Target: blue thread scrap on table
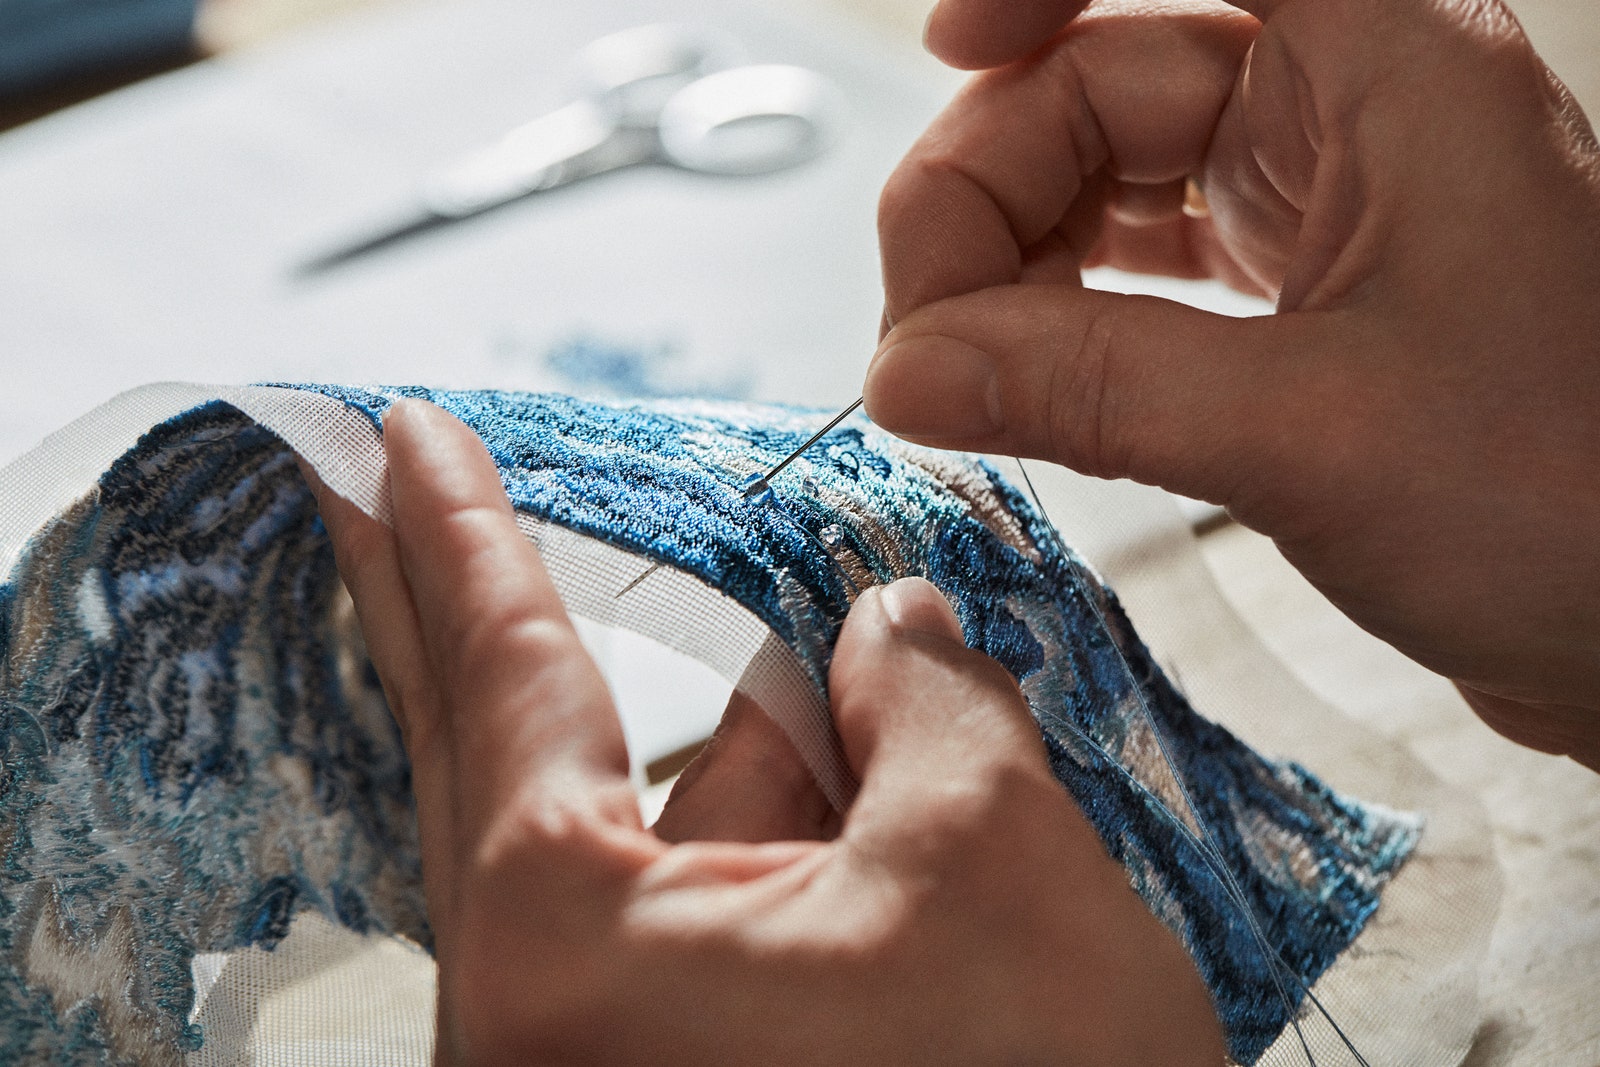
<point>193,747</point>
<point>586,363</point>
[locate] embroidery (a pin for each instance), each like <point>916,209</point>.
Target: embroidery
<point>195,748</point>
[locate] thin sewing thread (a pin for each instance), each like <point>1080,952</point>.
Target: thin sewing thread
<point>1209,847</point>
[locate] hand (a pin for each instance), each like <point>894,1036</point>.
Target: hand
<point>1418,428</point>
<point>964,913</point>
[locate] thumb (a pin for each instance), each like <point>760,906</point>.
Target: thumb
<point>1110,385</point>
<point>937,733</point>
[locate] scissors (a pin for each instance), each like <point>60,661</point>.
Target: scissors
<point>653,94</point>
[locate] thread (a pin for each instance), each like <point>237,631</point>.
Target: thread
<point>1210,851</point>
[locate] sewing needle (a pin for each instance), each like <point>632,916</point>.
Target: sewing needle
<point>760,485</point>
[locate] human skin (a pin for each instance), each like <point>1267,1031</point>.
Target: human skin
<point>961,911</point>
<point>1417,428</point>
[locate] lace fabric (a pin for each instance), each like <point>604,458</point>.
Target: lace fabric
<point>196,750</point>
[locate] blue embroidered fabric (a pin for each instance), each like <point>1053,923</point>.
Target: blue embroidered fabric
<point>194,748</point>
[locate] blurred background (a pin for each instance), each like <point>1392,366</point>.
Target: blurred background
<point>196,224</point>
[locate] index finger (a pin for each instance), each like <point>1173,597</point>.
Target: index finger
<point>1133,93</point>
<point>979,34</point>
<point>530,720</point>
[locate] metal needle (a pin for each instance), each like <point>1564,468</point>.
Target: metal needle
<point>631,586</point>
<point>760,485</point>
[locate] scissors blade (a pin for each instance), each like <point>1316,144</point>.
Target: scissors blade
<point>573,142</point>
<point>398,233</point>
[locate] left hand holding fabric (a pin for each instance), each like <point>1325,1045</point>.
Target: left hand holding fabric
<point>962,912</point>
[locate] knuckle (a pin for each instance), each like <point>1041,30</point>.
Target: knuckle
<point>534,640</point>
<point>890,946</point>
<point>1079,413</point>
<point>1490,41</point>
<point>975,813</point>
<point>503,635</point>
<point>970,824</point>
<point>1486,21</point>
<point>988,700</point>
<point>869,676</point>
<point>537,829</point>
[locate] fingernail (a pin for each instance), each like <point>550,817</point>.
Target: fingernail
<point>408,407</point>
<point>916,604</point>
<point>416,420</point>
<point>396,410</point>
<point>934,387</point>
